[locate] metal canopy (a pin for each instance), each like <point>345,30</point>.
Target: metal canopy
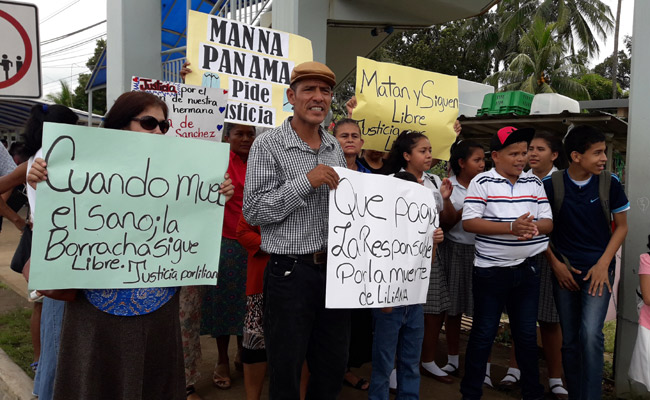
<point>15,112</point>
<point>482,128</point>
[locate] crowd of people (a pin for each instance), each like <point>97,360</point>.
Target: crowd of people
<point>538,244</point>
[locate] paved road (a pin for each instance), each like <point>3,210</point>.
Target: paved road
<point>430,389</point>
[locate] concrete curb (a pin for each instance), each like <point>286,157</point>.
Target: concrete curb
<point>14,382</point>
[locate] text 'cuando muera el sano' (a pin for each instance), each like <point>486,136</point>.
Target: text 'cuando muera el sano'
<point>148,243</point>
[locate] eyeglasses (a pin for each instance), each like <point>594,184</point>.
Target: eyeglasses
<point>149,123</point>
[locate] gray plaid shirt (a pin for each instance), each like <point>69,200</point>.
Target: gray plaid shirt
<point>278,197</point>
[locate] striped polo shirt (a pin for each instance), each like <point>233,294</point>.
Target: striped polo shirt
<point>492,197</point>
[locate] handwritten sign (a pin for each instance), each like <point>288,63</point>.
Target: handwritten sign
<point>194,111</point>
<point>126,209</point>
<point>380,241</point>
<point>392,98</point>
<point>252,64</point>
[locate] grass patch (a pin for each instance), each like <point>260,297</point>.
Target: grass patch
<point>3,286</point>
<point>15,338</point>
<point>610,335</point>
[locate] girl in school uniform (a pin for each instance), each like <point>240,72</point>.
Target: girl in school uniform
<point>457,251</point>
<point>403,327</point>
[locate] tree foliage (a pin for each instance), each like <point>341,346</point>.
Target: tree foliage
<point>599,88</point>
<point>540,66</point>
<point>624,66</point>
<point>79,98</point>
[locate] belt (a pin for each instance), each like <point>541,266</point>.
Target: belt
<point>318,258</point>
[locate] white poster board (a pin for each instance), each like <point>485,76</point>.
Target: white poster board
<point>380,241</point>
<point>194,111</point>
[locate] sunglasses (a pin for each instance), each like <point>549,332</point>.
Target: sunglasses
<point>149,123</point>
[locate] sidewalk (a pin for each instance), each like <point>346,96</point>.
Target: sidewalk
<point>13,385</point>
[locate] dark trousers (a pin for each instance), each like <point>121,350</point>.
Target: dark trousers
<point>298,327</point>
<point>517,288</point>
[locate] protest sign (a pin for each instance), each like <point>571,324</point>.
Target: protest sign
<point>392,98</point>
<point>380,241</point>
<point>252,64</point>
<point>125,209</point>
<point>194,111</point>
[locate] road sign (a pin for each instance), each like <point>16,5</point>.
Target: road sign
<point>20,61</point>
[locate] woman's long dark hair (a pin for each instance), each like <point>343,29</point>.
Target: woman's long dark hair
<point>555,144</point>
<point>403,144</point>
<point>128,106</point>
<point>461,151</point>
<point>40,113</point>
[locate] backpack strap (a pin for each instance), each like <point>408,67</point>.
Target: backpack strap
<point>432,179</point>
<point>604,184</point>
<point>557,178</point>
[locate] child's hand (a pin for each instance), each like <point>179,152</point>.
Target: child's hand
<point>387,310</point>
<point>438,236</point>
<point>227,188</point>
<point>446,188</point>
<point>523,227</point>
<point>564,277</point>
<point>350,105</point>
<point>184,71</point>
<point>37,173</point>
<point>599,275</point>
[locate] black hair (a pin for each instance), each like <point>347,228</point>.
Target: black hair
<point>40,113</point>
<point>581,138</point>
<point>461,150</point>
<point>407,176</point>
<point>344,121</point>
<point>229,126</point>
<point>403,144</point>
<point>555,144</point>
<point>648,245</point>
<point>128,106</point>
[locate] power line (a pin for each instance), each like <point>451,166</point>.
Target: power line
<point>67,58</point>
<point>63,79</point>
<point>60,11</point>
<point>48,41</point>
<point>72,46</point>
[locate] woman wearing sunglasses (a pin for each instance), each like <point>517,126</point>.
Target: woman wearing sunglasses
<point>123,343</point>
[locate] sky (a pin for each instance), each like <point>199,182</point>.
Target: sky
<point>66,58</point>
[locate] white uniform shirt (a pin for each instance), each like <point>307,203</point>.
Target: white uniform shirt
<point>492,197</point>
<point>457,233</point>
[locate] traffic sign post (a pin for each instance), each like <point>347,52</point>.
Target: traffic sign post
<point>20,60</point>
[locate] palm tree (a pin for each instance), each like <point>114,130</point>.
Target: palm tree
<point>64,97</point>
<point>615,55</point>
<point>578,22</point>
<point>540,66</point>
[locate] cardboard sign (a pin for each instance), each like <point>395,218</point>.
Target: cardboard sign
<point>392,98</point>
<point>380,241</point>
<point>194,111</point>
<point>125,209</point>
<point>253,64</point>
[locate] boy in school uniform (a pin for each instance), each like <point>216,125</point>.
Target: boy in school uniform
<point>582,257</point>
<point>510,214</point>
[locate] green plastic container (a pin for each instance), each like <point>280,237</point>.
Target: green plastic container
<point>514,102</point>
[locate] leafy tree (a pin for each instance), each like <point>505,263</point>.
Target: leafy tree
<point>80,100</point>
<point>599,88</point>
<point>540,66</point>
<point>624,66</point>
<point>64,97</point>
<point>574,20</point>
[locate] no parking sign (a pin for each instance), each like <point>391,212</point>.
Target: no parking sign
<point>20,64</point>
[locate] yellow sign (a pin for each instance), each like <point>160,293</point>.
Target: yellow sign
<point>251,64</point>
<point>392,98</point>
